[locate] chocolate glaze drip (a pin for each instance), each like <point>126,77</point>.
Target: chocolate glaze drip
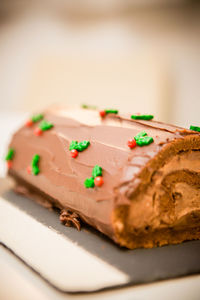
<point>127,173</point>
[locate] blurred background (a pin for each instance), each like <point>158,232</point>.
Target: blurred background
<point>134,55</point>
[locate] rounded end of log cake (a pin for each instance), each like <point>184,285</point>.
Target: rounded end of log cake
<point>165,206</point>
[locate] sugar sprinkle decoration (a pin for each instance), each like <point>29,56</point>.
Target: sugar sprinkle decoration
<point>79,146</point>
<point>76,147</point>
<point>43,126</point>
<point>9,164</point>
<point>28,169</point>
<point>142,117</point>
<point>96,179</point>
<point>9,157</point>
<point>102,113</point>
<point>89,182</point>
<point>195,128</point>
<point>105,112</point>
<point>74,153</point>
<point>38,131</point>
<point>10,154</point>
<point>142,139</point>
<point>131,143</point>
<point>96,171</point>
<point>37,118</point>
<point>87,106</point>
<point>34,119</point>
<point>34,168</point>
<point>111,111</point>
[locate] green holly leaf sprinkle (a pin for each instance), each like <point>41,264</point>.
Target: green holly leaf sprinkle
<point>195,128</point>
<point>97,171</point>
<point>37,118</point>
<point>139,135</point>
<point>83,145</point>
<point>34,164</point>
<point>79,146</point>
<point>86,106</point>
<point>10,154</point>
<point>35,170</point>
<point>142,117</point>
<point>35,159</point>
<point>111,111</point>
<point>73,145</point>
<point>143,141</point>
<point>89,182</point>
<point>44,125</point>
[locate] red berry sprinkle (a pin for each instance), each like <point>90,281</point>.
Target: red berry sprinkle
<point>37,131</point>
<point>29,123</point>
<point>29,169</point>
<point>131,143</point>
<point>98,181</point>
<point>9,164</point>
<point>74,153</point>
<point>102,113</point>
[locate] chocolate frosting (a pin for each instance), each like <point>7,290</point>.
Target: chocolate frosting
<point>127,173</point>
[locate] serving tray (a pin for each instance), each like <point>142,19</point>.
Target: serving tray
<point>83,261</point>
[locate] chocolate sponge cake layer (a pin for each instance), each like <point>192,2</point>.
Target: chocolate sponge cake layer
<point>150,195</point>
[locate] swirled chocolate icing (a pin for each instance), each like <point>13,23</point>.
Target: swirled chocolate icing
<point>150,195</point>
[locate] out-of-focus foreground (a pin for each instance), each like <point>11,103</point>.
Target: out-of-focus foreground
<point>138,56</point>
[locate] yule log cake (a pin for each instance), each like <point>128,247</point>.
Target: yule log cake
<point>132,178</point>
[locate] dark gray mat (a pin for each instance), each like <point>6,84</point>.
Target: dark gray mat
<point>141,265</point>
